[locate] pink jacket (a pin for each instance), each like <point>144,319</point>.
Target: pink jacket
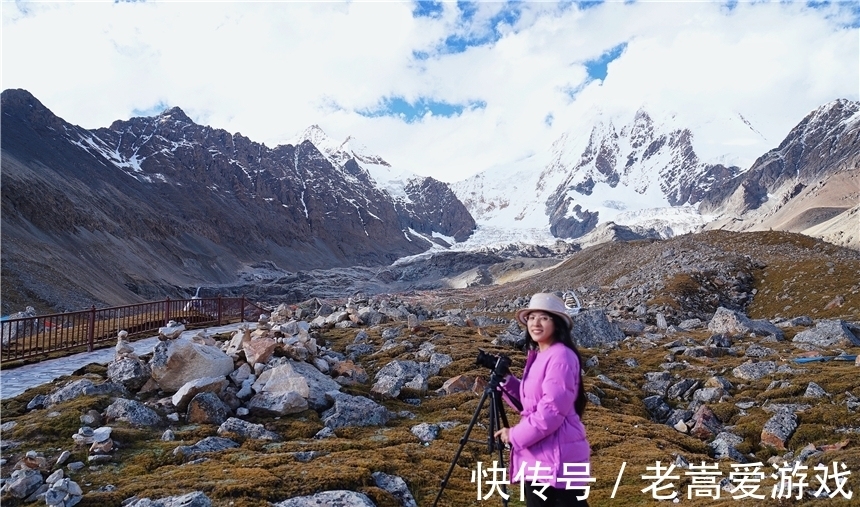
<point>549,430</point>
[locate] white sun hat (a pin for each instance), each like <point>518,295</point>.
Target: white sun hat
<point>545,302</point>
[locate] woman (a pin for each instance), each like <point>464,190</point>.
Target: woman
<point>550,430</point>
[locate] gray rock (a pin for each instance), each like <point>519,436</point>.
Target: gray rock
<point>679,415</point>
<point>658,387</point>
<point>371,317</point>
<point>326,432</point>
<point>779,428</point>
<point>38,401</point>
<point>734,323</point>
<point>593,329</point>
<point>91,418</point>
<point>828,333</point>
<point>391,333</point>
<point>661,321</point>
<point>814,390</point>
<point>392,377</point>
<point>396,486</point>
<point>512,336</point>
<point>207,408</point>
<point>724,444</point>
<point>354,411</point>
<point>791,407</point>
<point>193,499</point>
<point>71,391</point>
<point>102,434</point>
<point>328,499</point>
<point>631,327</point>
<point>708,394</point>
<point>307,456</point>
<point>439,361</point>
<point>778,384</point>
<point>719,381</point>
<point>756,350</point>
<point>357,350</point>
<point>247,429</point>
<point>177,362</point>
<point>54,497</point>
<point>318,385</point>
<point>62,458</point>
<point>207,445</point>
<point>754,371</point>
<point>192,388</point>
<point>608,381</point>
<point>719,340</point>
<point>690,324</point>
<point>130,372</point>
<point>277,404</point>
<point>75,466</point>
<point>683,389</point>
<point>657,408</point>
<point>23,483</point>
<point>132,412</point>
<point>797,321</point>
<point>425,432</point>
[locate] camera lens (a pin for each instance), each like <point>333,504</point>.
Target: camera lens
<point>486,359</point>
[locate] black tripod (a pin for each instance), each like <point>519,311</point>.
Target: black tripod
<point>498,420</point>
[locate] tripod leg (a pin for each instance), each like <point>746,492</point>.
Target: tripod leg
<point>501,421</point>
<point>462,444</point>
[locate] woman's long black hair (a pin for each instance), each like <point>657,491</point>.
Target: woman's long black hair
<point>562,334</point>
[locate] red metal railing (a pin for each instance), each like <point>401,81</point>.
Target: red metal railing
<point>30,337</point>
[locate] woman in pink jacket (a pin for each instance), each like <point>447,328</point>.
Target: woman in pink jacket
<point>549,449</point>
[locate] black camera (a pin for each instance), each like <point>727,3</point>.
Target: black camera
<point>499,364</point>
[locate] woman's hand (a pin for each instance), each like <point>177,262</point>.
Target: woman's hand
<point>504,435</point>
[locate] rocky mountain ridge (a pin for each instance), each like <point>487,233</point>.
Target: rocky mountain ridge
<point>153,206</point>
<point>809,184</point>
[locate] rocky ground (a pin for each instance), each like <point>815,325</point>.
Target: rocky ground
<point>718,349</point>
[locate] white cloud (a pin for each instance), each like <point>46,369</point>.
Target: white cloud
<point>268,70</point>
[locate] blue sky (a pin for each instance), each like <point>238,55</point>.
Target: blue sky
<point>446,89</point>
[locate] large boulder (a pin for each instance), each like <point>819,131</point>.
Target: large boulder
<point>282,379</point>
<point>592,329</point>
<point>259,350</point>
<point>132,412</point>
<point>354,411</point>
<point>207,408</point>
<point>184,394</point>
<point>177,362</point>
<point>318,385</point>
<point>129,371</point>
<point>277,404</point>
<point>732,323</point>
<point>84,387</point>
<point>828,333</point>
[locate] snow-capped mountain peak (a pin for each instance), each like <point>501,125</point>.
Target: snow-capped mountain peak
<point>388,178</point>
<point>608,168</point>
